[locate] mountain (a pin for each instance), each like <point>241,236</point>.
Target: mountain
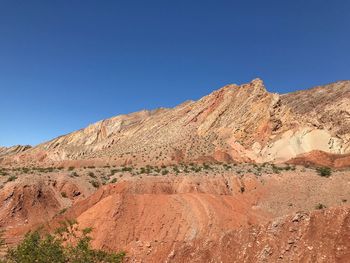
<point>237,176</point>
<point>242,123</point>
<point>6,151</point>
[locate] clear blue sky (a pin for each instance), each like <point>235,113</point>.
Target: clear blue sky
<point>66,64</point>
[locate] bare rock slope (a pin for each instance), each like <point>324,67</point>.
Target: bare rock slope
<point>234,123</point>
<point>209,219</point>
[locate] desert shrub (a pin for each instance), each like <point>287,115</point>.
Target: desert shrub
<point>67,245</point>
<point>62,211</point>
<point>44,169</point>
<point>2,241</point>
<point>4,173</point>
<point>92,175</point>
<point>114,171</point>
<point>197,169</point>
<point>75,174</point>
<point>287,168</point>
<point>275,169</point>
<point>95,184</point>
<point>320,206</point>
<point>11,178</point>
<point>324,171</point>
<point>165,172</point>
<point>114,180</point>
<point>34,248</point>
<point>25,170</point>
<point>70,168</point>
<point>206,166</point>
<point>64,194</point>
<point>126,169</point>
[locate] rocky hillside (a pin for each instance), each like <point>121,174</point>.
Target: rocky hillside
<point>234,123</point>
<point>197,182</point>
<point>6,151</point>
<point>216,213</point>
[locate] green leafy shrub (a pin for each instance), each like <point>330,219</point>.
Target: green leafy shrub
<point>324,171</point>
<point>69,244</point>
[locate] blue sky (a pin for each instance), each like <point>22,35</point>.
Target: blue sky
<point>66,64</point>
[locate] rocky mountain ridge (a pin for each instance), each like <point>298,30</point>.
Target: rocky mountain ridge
<point>242,123</point>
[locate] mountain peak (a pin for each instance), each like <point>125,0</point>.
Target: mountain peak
<point>257,81</point>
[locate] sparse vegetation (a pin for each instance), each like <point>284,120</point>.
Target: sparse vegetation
<point>324,171</point>
<point>114,180</point>
<point>320,206</point>
<point>62,211</point>
<point>75,174</point>
<point>92,175</point>
<point>67,245</point>
<point>11,178</point>
<point>95,184</point>
<point>126,169</point>
<point>114,171</point>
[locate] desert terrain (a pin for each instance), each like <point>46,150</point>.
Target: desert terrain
<point>241,175</point>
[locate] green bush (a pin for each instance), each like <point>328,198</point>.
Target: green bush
<point>126,169</point>
<point>320,206</point>
<point>92,175</point>
<point>11,178</point>
<point>67,245</point>
<point>95,184</point>
<point>25,170</point>
<point>114,180</point>
<point>324,171</point>
<point>75,174</point>
<point>114,171</point>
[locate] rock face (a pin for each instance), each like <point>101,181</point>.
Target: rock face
<point>234,123</point>
<point>13,150</point>
<point>320,236</point>
<point>209,219</point>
